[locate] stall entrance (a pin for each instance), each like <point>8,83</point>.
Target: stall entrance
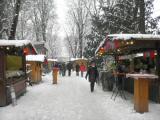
<point>2,81</point>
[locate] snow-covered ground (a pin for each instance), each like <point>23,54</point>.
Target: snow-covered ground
<point>71,99</point>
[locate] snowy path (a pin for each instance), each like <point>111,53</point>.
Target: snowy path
<point>71,99</point>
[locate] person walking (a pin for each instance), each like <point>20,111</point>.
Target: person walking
<point>69,68</point>
<point>82,69</point>
<point>77,69</point>
<point>92,74</point>
<point>63,69</point>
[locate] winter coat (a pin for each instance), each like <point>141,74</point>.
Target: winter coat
<point>63,67</point>
<point>69,66</point>
<point>82,68</point>
<point>92,72</point>
<point>77,68</point>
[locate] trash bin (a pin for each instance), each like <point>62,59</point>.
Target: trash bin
<point>55,75</point>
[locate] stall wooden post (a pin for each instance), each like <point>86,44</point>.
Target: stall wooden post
<point>141,84</point>
<point>141,95</point>
<point>55,75</point>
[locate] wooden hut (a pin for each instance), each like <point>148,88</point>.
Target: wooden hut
<point>79,61</point>
<point>12,69</point>
<point>130,44</point>
<point>35,62</point>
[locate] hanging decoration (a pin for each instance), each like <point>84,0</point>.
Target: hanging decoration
<point>152,54</point>
<point>146,54</point>
<point>33,51</point>
<point>101,51</point>
<point>107,45</point>
<point>116,44</point>
<point>25,51</point>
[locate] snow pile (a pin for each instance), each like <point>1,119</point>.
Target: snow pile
<point>71,99</point>
<point>39,58</point>
<point>16,43</point>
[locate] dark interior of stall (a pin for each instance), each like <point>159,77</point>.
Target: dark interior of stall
<point>12,73</point>
<point>143,65</point>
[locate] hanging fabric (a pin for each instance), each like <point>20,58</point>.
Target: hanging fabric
<point>152,54</point>
<point>116,44</point>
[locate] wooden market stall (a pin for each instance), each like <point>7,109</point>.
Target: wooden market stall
<point>35,62</point>
<point>12,69</point>
<point>79,61</point>
<point>144,83</point>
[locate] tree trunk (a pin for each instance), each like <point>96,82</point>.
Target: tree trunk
<point>142,16</point>
<point>15,20</point>
<point>2,5</point>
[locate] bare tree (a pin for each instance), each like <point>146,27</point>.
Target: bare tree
<point>2,7</point>
<point>79,15</point>
<point>35,19</point>
<point>43,10</point>
<point>72,40</point>
<point>52,40</point>
<point>7,13</point>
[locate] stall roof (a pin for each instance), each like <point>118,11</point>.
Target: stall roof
<point>38,58</point>
<point>73,59</point>
<point>135,37</point>
<point>53,60</point>
<point>17,43</point>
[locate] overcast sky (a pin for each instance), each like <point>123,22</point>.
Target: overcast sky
<point>62,12</point>
<point>156,8</point>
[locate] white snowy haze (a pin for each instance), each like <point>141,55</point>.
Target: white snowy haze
<point>156,11</point>
<point>61,9</point>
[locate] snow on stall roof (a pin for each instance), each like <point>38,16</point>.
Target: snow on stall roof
<point>100,45</point>
<point>16,43</point>
<point>134,36</point>
<point>73,59</point>
<point>52,60</point>
<point>38,58</point>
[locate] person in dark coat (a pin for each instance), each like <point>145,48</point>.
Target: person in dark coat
<point>77,69</point>
<point>63,69</point>
<point>92,74</point>
<point>69,68</point>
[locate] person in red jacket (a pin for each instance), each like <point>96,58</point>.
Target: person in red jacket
<point>82,69</point>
